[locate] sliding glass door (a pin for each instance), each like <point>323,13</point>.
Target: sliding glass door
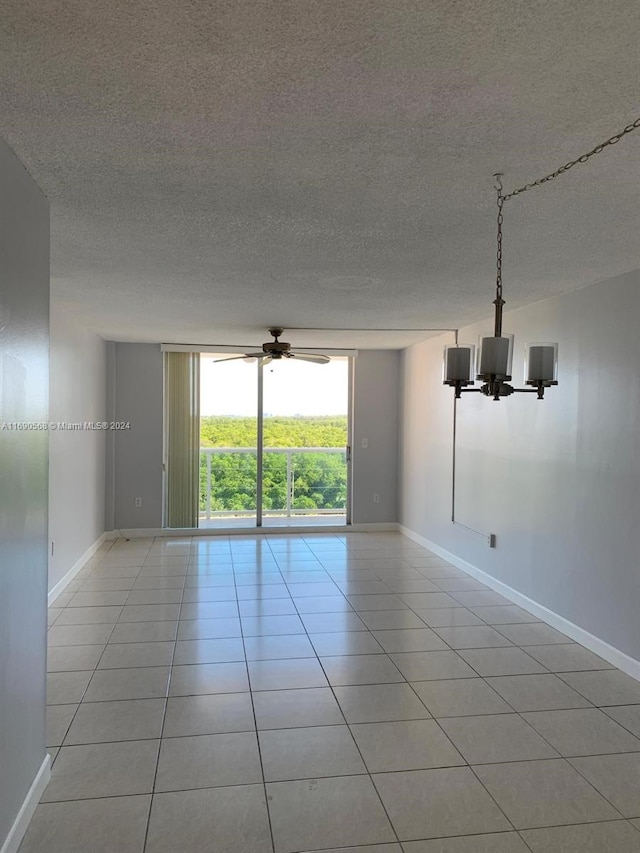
<point>305,429</point>
<point>273,443</point>
<point>228,441</point>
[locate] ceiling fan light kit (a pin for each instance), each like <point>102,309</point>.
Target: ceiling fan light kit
<point>275,350</point>
<point>493,364</point>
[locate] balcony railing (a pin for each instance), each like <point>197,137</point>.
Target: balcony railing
<point>297,481</point>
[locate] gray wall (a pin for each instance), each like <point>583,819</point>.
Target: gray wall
<point>137,452</point>
<point>375,418</point>
<point>134,384</point>
<point>557,481</point>
<point>76,459</point>
<point>24,388</point>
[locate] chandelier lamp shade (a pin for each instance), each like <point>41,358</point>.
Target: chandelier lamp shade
<point>492,362</point>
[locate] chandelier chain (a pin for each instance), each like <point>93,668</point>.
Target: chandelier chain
<point>582,159</point>
<point>500,202</point>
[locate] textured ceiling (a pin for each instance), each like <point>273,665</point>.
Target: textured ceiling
<point>217,167</point>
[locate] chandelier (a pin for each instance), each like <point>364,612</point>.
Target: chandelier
<point>495,353</point>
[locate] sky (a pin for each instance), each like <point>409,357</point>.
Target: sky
<point>290,388</point>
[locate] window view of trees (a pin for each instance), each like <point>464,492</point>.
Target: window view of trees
<point>317,480</point>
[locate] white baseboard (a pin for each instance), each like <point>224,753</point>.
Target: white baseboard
<point>21,823</point>
<point>610,653</point>
<point>55,591</point>
<point>147,532</point>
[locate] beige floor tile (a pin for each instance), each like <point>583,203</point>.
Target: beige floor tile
<point>509,614</point>
<point>544,793</point>
<point>88,616</point>
<point>135,683</point>
<point>208,761</point>
<point>410,640</point>
<point>155,596</point>
<point>567,657</point>
<point>605,688</point>
<point>59,719</point>
<point>99,826</point>
<point>149,613</point>
<point>321,623</point>
<point>460,697</point>
<point>617,777</point>
<point>405,585</point>
<point>503,842</point>
<point>144,632</point>
<point>285,674</point>
<point>363,603</point>
<point>224,820</point>
<point>203,678</point>
<point>323,604</point>
<point>342,811</point>
<point>271,607</point>
<point>209,610</point>
<point>106,585</point>
<point>73,658</point>
<point>208,629</point>
<point>283,709</point>
<point>537,692</point>
<point>375,587</point>
<point>497,737</point>
<point>309,753</point>
<point>102,770</point>
<point>281,647</point>
<point>210,593</point>
<point>533,634</point>
<point>360,669</point>
<point>100,722</point>
<point>508,661</point>
<point>120,655</point>
<point>368,848</point>
<point>98,598</point>
<point>373,703</point>
<point>209,651</point>
<point>203,715</point>
<point>158,583</point>
<point>65,688</point>
<point>346,643</point>
<point>390,620</point>
<point>586,731</point>
<point>405,745</point>
<point>480,599</point>
<point>77,635</point>
<point>435,803</point>
<point>474,637</point>
<point>264,626</point>
<point>427,666</point>
<point>627,715</point>
<point>449,617</point>
<point>611,837</point>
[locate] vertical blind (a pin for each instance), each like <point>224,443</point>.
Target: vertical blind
<point>182,414</point>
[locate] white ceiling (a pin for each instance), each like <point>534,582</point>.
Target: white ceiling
<point>215,167</point>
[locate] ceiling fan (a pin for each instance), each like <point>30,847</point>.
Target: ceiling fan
<point>276,349</point>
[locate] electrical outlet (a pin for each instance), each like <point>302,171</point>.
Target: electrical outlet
<point>138,501</point>
<point>365,442</point>
<point>492,540</point>
<point>376,498</point>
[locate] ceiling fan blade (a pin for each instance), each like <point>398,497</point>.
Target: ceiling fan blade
<point>238,357</point>
<point>316,359</point>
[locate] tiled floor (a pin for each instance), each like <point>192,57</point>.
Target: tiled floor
<point>324,692</point>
